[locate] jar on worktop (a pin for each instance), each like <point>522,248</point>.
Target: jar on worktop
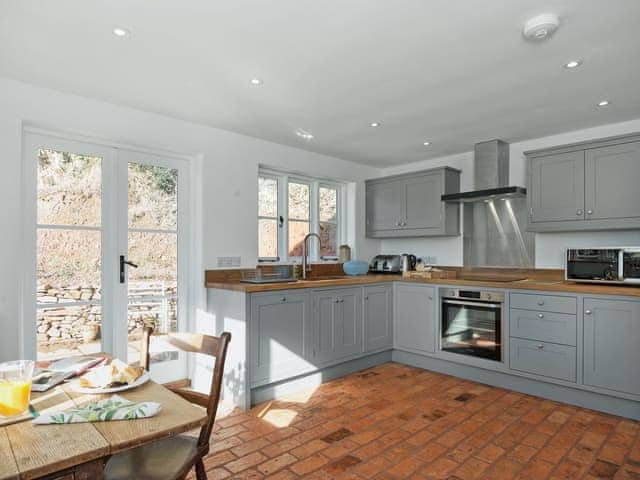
<point>344,253</point>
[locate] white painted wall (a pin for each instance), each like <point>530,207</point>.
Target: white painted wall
<point>549,246</point>
<point>227,174</point>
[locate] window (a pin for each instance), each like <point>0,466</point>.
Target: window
<point>298,208</point>
<point>268,217</point>
<point>290,207</point>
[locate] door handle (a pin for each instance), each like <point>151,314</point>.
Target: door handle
<point>124,262</point>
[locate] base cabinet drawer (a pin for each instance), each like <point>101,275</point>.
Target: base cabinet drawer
<point>541,358</point>
<point>544,326</point>
<point>544,303</point>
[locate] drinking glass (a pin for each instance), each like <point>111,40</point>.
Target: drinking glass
<point>15,387</point>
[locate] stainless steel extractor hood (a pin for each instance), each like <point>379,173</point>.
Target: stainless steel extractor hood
<point>490,174</point>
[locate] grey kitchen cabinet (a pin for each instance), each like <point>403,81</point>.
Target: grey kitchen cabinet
<point>337,324</point>
<point>557,188</point>
<point>585,186</point>
<point>415,318</point>
<point>280,329</point>
<point>612,187</point>
<point>611,339</point>
<point>378,317</point>
<point>384,206</point>
<point>541,358</point>
<point>410,205</point>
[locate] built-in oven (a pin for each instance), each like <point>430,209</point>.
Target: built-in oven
<point>472,322</point>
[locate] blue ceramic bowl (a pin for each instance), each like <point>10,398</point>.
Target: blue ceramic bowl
<point>356,267</point>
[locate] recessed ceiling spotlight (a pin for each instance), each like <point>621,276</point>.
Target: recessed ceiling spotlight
<point>121,32</point>
<point>573,64</point>
<point>604,103</point>
<point>256,81</point>
<point>541,27</point>
<point>375,124</point>
<point>426,144</point>
<point>304,134</point>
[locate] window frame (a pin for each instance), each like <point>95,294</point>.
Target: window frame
<point>283,180</point>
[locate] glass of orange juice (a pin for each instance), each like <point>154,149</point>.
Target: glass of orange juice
<point>15,387</point>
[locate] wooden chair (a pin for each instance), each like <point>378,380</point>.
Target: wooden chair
<point>172,458</point>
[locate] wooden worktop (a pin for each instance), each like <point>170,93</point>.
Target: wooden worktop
<point>539,279</point>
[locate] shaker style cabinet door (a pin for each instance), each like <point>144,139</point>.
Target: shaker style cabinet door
<point>612,182</point>
<point>384,206</point>
<point>349,338</point>
<point>611,344</point>
<point>423,207</point>
<point>337,330</point>
<point>326,311</point>
<point>415,318</point>
<point>557,188</point>
<point>378,317</point>
<point>279,331</point>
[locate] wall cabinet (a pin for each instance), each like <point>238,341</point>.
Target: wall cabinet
<point>410,205</point>
<point>587,186</point>
<point>280,327</point>
<point>378,317</point>
<point>611,339</point>
<point>337,324</point>
<point>415,323</point>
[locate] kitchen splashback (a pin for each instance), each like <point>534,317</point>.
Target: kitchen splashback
<point>495,234</point>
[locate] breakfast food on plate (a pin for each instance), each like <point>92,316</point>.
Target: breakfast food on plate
<point>115,374</point>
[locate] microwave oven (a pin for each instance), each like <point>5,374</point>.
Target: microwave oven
<point>603,265</point>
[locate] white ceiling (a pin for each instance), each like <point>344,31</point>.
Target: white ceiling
<point>451,72</point>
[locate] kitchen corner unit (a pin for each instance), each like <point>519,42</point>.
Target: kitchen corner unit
<point>559,340</point>
<point>288,339</point>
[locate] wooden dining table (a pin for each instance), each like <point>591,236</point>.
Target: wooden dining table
<point>78,451</point>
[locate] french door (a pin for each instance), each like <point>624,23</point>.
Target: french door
<point>106,237</point>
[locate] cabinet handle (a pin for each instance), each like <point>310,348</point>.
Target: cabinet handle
<point>283,299</point>
<point>587,312</point>
<point>579,212</point>
<point>398,224</point>
<point>540,302</point>
<point>430,297</point>
<point>366,298</point>
<point>540,315</point>
<point>540,346</point>
<point>589,212</point>
<point>404,224</point>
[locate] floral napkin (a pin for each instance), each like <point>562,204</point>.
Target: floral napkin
<point>113,408</point>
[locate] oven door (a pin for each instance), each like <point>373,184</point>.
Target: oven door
<point>472,328</point>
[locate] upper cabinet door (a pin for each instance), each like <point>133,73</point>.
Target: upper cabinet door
<point>612,182</point>
<point>557,187</point>
<point>384,205</point>
<point>423,207</point>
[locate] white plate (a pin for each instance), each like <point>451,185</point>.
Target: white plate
<point>142,379</point>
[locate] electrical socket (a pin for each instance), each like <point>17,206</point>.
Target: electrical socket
<point>229,261</point>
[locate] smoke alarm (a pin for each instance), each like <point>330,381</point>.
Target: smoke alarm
<point>541,27</point>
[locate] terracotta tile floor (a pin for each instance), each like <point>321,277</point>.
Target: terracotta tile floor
<point>394,421</point>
